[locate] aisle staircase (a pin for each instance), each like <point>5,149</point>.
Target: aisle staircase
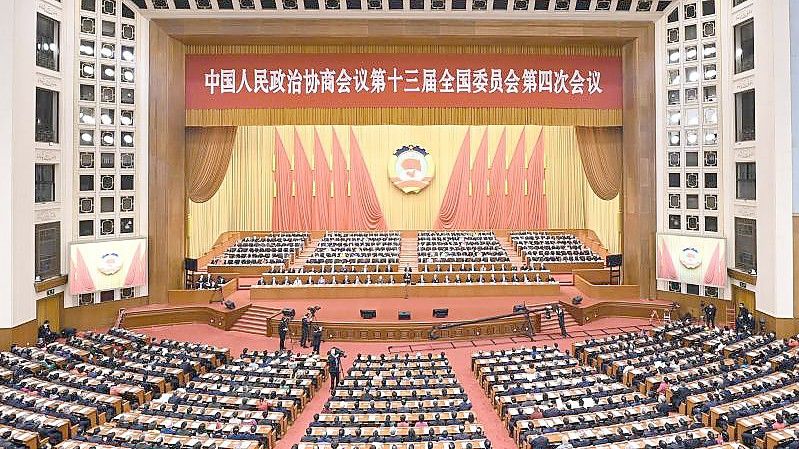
<point>408,253</point>
<point>507,245</point>
<point>306,252</point>
<point>254,319</point>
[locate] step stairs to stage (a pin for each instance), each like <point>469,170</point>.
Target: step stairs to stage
<point>306,252</point>
<point>515,258</point>
<point>254,319</point>
<point>409,256</point>
<point>550,326</point>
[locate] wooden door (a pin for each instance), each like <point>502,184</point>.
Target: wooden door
<point>49,308</point>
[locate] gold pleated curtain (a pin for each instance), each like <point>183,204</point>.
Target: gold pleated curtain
<point>208,151</point>
<point>601,154</point>
<point>244,198</point>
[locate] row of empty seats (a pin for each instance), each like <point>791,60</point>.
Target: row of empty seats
<point>271,250</point>
<point>439,251</point>
<point>553,248</point>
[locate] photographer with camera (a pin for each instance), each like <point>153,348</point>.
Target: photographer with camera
<point>307,321</point>
<point>305,329</point>
<point>334,357</point>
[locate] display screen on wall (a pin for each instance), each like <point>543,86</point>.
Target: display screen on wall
<point>109,265</point>
<point>692,260</point>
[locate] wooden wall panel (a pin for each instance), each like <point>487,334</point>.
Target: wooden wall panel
<point>99,315</point>
<point>167,191</point>
<point>23,335</point>
<point>639,190</point>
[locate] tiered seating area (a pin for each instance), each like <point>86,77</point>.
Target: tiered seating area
<point>540,247</point>
<point>679,387</point>
<point>355,251</point>
<point>122,389</point>
<point>461,251</point>
<point>274,251</point>
<point>397,401</point>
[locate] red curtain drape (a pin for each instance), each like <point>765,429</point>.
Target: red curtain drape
<point>340,206</point>
<point>303,186</point>
<point>282,201</point>
<point>80,280</point>
<point>495,205</point>
<point>665,267</point>
<point>716,273</point>
<point>537,202</point>
<point>479,180</point>
<point>322,176</point>
<point>454,210</point>
<point>365,210</point>
<point>515,205</point>
<point>137,274</point>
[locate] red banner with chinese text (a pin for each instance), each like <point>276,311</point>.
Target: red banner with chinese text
<point>402,80</point>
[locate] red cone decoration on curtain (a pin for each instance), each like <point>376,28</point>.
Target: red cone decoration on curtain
<point>303,186</point>
<point>80,281</point>
<point>666,268</point>
<point>497,212</point>
<point>454,211</point>
<point>322,175</point>
<point>537,201</point>
<point>479,179</point>
<point>365,208</point>
<point>516,206</point>
<point>137,274</point>
<point>283,215</point>
<point>340,209</point>
<point>716,273</point>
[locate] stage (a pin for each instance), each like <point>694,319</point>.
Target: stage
<point>342,321</point>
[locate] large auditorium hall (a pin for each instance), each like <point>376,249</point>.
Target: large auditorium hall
<point>399,224</point>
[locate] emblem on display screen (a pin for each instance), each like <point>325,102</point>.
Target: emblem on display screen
<point>411,168</point>
<point>690,258</point>
<point>110,263</point>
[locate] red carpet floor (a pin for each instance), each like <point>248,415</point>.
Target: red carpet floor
<point>459,354</point>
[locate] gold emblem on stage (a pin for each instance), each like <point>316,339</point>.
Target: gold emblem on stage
<point>411,168</point>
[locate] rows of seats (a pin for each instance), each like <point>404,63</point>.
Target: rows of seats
<point>544,247</point>
<point>273,250</point>
<point>355,251</point>
<point>679,386</point>
<point>124,389</point>
<point>511,276</point>
<point>460,251</point>
<point>409,401</point>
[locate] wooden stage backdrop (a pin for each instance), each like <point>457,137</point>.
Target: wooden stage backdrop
<point>171,40</point>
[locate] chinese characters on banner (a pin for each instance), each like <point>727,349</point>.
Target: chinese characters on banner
<point>404,80</point>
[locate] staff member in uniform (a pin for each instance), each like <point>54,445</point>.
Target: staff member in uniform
<point>562,321</point>
<point>316,339</point>
<point>334,367</point>
<point>283,330</point>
